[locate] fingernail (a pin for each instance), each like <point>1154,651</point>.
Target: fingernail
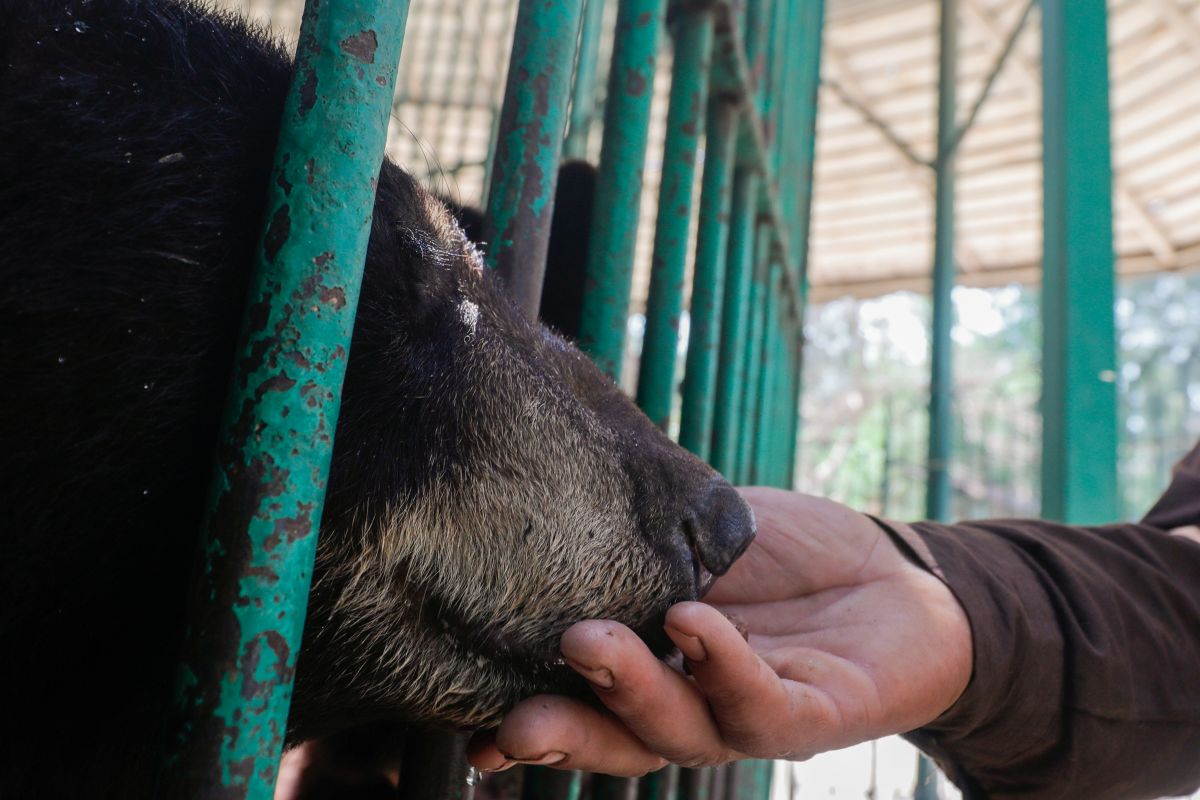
<point>691,647</point>
<point>551,758</point>
<point>600,677</point>
<point>506,765</point>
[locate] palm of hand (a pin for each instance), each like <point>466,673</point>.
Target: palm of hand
<point>844,619</point>
<point>847,641</point>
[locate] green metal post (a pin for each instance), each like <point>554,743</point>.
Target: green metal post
<point>708,282</point>
<point>731,372</point>
<point>1079,411</point>
<point>692,31</point>
<point>941,376</point>
<point>743,474</point>
<point>250,589</point>
<point>583,94</point>
<point>619,183</point>
<point>528,143</point>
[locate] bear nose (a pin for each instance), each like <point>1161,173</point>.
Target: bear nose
<point>718,529</point>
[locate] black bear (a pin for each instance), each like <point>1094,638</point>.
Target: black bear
<point>489,486</point>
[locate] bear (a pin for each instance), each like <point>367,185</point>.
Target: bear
<point>489,486</point>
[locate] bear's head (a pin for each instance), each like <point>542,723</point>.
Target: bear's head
<point>489,486</point>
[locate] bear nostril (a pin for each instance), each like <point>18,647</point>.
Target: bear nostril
<point>719,528</point>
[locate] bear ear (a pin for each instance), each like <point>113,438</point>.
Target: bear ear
<point>566,258</point>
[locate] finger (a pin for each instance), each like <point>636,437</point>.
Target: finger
<point>756,711</point>
<point>565,733</point>
<point>662,708</point>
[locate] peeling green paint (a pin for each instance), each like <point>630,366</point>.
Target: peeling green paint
<point>619,183</point>
<point>693,36</point>
<point>259,536</point>
<point>529,141</point>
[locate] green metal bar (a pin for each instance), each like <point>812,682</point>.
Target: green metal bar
<point>794,407</point>
<point>250,589</point>
<point>731,371</point>
<point>661,785</point>
<point>692,30</point>
<point>1079,416</point>
<point>927,780</point>
<point>805,138</point>
<point>695,784</point>
<point>583,94</point>
<point>754,355</point>
<point>708,282</point>
<point>766,377</point>
<point>543,783</point>
<point>435,766</point>
<point>619,183</point>
<point>783,401</point>
<point>606,787</point>
<point>528,143</point>
<point>941,376</point>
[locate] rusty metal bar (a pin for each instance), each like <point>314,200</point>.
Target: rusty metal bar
<point>619,183</point>
<point>528,144</point>
<point>692,31</point>
<point>254,565</point>
<point>708,282</point>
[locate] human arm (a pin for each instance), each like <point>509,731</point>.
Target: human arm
<point>1084,675</point>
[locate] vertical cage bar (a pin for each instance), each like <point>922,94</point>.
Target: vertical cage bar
<point>543,783</point>
<point>692,30</point>
<point>708,282</point>
<point>583,92</point>
<point>606,787</point>
<point>619,183</point>
<point>250,587</point>
<point>435,766</point>
<point>660,785</point>
<point>941,375</point>
<point>766,377</point>
<point>695,784</point>
<point>794,410</point>
<point>528,143</point>
<point>731,372</point>
<point>754,356</point>
<point>1079,410</point>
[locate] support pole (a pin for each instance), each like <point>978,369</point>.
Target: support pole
<point>250,589</point>
<point>1079,407</point>
<point>528,144</point>
<point>941,375</point>
<point>619,183</point>
<point>692,31</point>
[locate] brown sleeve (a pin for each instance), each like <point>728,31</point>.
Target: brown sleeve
<point>1086,678</point>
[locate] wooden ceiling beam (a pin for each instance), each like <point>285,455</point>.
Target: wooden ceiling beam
<point>916,170</point>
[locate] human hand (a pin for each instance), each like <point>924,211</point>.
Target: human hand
<point>847,641</point>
